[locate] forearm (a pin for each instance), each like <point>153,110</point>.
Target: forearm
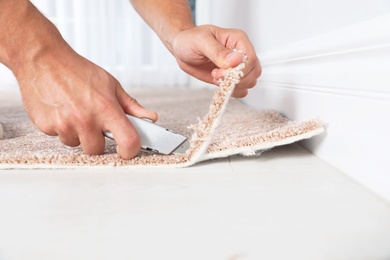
<point>25,35</point>
<point>167,18</point>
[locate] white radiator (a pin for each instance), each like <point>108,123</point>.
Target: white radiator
<point>111,34</point>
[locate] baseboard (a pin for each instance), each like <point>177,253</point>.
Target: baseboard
<point>343,78</point>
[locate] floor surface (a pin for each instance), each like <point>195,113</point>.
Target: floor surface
<point>285,204</point>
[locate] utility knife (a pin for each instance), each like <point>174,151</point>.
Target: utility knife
<point>156,138</point>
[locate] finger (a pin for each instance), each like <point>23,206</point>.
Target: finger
<point>200,72</point>
<point>249,80</point>
<point>251,68</point>
<point>218,74</point>
<point>39,117</point>
<point>68,140</point>
<point>252,71</point>
<point>221,56</point>
<point>132,107</point>
<point>92,141</point>
<point>126,136</point>
<point>240,93</point>
<point>66,132</point>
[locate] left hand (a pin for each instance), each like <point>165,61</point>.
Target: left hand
<point>205,52</point>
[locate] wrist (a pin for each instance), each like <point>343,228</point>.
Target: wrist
<point>168,35</point>
<point>167,18</point>
<point>26,36</point>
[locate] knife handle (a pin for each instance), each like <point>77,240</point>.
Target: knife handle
<point>154,137</point>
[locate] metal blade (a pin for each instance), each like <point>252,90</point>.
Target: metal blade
<point>182,148</point>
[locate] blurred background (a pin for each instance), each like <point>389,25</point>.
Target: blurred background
<point>111,34</point>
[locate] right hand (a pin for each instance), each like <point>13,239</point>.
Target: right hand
<point>66,95</point>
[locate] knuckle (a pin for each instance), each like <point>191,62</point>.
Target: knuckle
<point>131,142</point>
<point>102,103</point>
<point>252,84</point>
<point>47,129</point>
<point>92,150</point>
<point>43,125</point>
<point>258,70</point>
<point>239,32</point>
<point>63,127</point>
<point>92,144</point>
<point>240,93</point>
<point>81,120</point>
<point>85,122</point>
<point>219,51</point>
<point>132,101</point>
<point>69,141</point>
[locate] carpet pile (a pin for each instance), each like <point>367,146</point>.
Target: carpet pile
<point>217,126</point>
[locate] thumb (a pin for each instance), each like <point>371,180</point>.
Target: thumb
<point>233,59</point>
<point>132,107</point>
<point>221,56</point>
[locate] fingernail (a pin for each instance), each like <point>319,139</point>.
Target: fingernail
<point>233,56</point>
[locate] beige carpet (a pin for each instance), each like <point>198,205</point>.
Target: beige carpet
<point>218,126</point>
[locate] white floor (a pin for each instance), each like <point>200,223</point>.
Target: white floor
<point>285,204</point>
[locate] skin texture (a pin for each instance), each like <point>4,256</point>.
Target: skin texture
<point>68,96</point>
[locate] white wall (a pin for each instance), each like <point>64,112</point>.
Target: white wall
<point>326,59</point>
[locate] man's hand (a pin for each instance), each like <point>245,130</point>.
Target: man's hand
<point>64,94</point>
<point>73,98</point>
<point>205,52</point>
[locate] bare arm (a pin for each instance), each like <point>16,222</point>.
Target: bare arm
<point>202,51</point>
<point>63,93</point>
<point>167,18</point>
<point>25,34</point>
